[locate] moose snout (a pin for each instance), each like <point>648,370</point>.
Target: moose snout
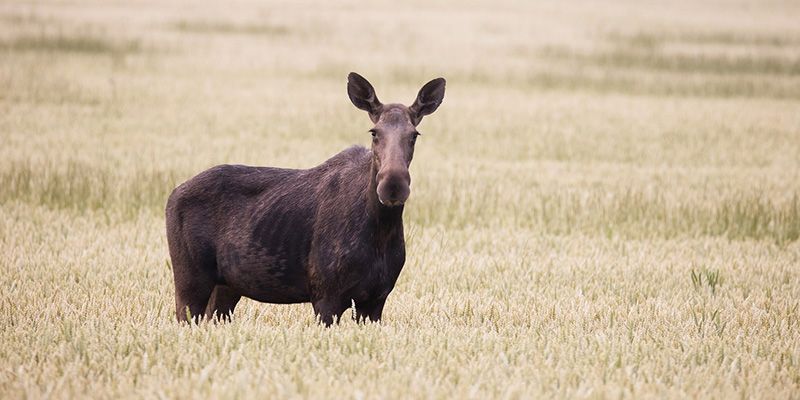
<point>394,187</point>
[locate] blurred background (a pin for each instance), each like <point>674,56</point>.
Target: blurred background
<point>642,100</point>
<point>115,102</point>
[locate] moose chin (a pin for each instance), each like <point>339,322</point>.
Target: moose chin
<point>331,235</point>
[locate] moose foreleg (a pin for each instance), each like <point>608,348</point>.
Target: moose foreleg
<point>371,309</point>
<point>330,310</point>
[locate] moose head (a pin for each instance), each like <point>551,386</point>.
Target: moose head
<point>394,134</point>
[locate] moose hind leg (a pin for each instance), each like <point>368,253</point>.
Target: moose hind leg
<point>191,300</point>
<point>192,291</point>
<point>222,302</point>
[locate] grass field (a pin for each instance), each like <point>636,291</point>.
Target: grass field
<point>606,205</point>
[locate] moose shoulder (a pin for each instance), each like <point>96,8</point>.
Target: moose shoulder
<point>329,235</point>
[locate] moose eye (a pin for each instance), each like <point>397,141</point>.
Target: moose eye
<point>374,133</point>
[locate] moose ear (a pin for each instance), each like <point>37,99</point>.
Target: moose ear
<point>362,94</point>
<point>428,99</point>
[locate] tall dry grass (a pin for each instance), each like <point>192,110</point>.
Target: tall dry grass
<point>606,205</point>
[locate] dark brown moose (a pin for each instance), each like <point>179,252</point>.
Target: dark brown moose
<point>329,235</point>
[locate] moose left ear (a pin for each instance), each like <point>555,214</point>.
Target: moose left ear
<point>428,99</point>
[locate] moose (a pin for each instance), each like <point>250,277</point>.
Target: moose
<point>331,235</point>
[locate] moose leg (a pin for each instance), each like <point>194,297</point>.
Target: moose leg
<point>222,302</point>
<point>193,287</point>
<point>371,309</point>
<point>330,310</point>
<point>191,298</point>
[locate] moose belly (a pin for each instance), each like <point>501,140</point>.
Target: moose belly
<point>261,275</point>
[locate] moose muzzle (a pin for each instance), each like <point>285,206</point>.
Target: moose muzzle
<point>394,186</point>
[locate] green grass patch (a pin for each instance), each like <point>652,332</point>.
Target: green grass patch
<point>72,43</point>
<point>629,213</point>
<point>76,186</point>
<point>655,39</point>
<point>616,81</point>
<point>216,27</point>
<point>655,60</point>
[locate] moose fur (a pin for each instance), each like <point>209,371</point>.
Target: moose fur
<point>329,235</point>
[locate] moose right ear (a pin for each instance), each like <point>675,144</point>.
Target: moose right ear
<point>362,94</point>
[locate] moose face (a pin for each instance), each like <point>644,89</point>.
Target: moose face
<point>394,134</point>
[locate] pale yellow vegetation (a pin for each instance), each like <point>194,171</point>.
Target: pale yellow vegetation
<point>606,205</point>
